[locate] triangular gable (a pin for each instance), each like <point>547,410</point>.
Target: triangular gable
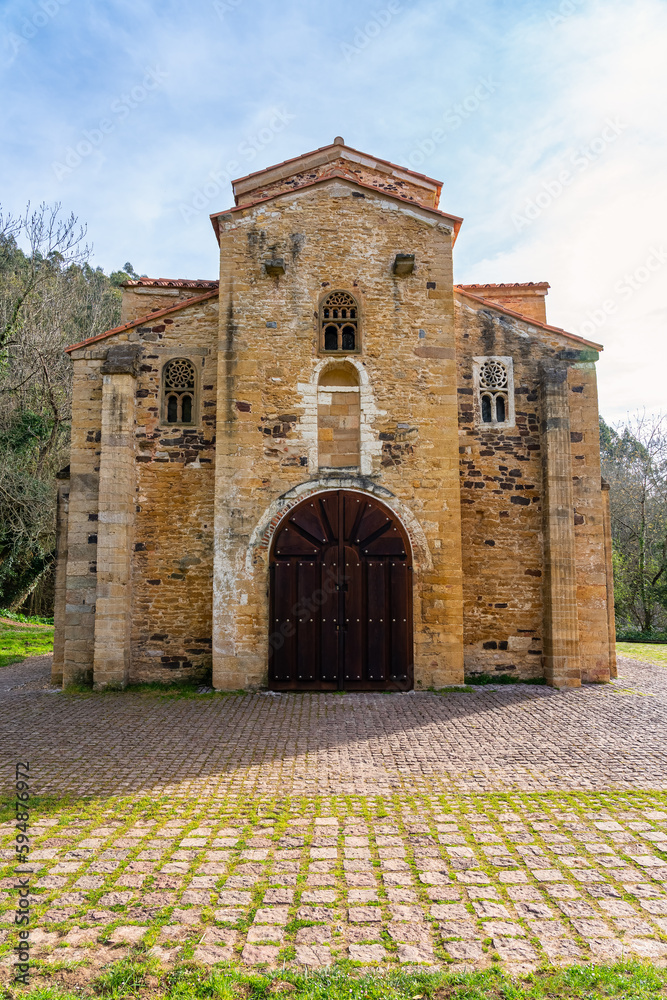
<point>455,220</point>
<point>460,290</point>
<point>299,169</point>
<point>148,318</point>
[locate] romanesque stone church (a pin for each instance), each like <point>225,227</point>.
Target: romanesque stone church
<point>333,468</point>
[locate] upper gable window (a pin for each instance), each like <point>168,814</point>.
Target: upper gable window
<point>494,385</point>
<point>179,381</point>
<point>339,324</point>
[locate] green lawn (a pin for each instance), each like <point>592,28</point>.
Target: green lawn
<point>651,652</point>
<point>18,641</point>
<point>130,979</point>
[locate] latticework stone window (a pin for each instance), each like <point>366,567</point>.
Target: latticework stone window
<point>179,381</point>
<point>339,324</point>
<point>494,384</point>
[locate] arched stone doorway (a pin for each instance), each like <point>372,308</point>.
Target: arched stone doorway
<point>340,597</point>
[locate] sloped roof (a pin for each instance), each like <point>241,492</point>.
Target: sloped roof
<point>169,283</point>
<point>334,150</point>
<point>490,304</point>
<point>148,318</point>
<point>511,284</point>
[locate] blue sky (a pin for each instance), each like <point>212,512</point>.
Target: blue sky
<point>543,119</point>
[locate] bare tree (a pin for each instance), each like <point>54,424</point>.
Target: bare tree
<point>51,241</point>
<point>50,296</point>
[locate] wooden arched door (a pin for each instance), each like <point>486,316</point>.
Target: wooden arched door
<point>340,597</point>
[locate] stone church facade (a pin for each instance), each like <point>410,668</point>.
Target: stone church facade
<point>333,468</point>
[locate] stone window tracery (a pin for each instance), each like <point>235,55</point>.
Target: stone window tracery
<point>494,391</point>
<point>339,324</point>
<point>179,382</point>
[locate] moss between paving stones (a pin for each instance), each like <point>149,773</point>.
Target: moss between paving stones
<point>75,818</point>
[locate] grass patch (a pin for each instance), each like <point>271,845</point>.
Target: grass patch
<point>133,978</point>
<point>20,640</point>
<point>648,652</point>
<point>14,616</point>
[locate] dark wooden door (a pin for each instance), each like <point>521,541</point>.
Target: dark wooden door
<point>341,597</point>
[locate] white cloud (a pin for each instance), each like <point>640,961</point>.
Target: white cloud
<point>612,216</point>
<point>554,88</point>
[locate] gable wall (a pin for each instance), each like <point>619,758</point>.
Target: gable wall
<point>267,404</point>
<point>377,177</point>
<point>501,512</point>
<point>173,560</point>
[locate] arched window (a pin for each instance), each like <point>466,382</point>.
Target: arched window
<point>339,324</point>
<point>179,383</point>
<point>495,391</point>
<point>338,418</point>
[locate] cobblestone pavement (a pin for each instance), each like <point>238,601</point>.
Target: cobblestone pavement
<point>516,736</point>
<point>513,824</point>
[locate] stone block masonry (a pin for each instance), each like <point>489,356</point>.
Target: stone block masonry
<point>174,496</point>
<point>116,514</point>
<point>268,338</point>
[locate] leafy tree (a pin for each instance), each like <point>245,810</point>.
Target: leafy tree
<point>634,461</point>
<point>50,296</point>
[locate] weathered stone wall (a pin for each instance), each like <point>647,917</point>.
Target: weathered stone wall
<point>138,301</point>
<point>81,579</point>
<point>172,562</point>
<point>173,535</point>
<point>501,482</point>
<point>60,588</point>
<point>596,651</point>
<point>502,503</point>
<point>334,237</point>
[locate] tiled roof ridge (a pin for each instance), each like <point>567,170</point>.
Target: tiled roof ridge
<point>170,283</point>
<point>141,320</point>
<point>462,289</point>
<point>334,145</point>
<point>508,284</point>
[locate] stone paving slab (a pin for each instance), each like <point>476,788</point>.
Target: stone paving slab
<point>581,877</point>
<point>307,830</point>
